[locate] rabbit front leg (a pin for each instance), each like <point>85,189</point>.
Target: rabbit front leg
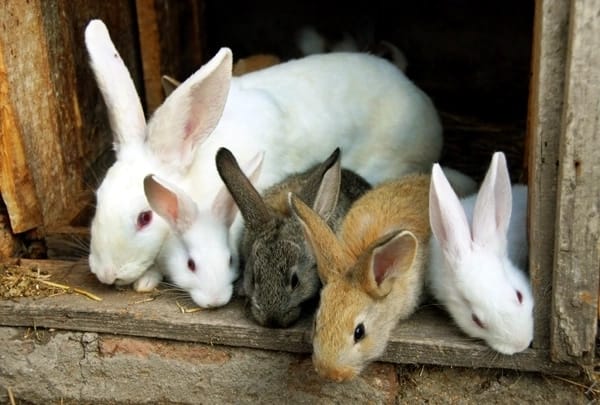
<point>149,280</point>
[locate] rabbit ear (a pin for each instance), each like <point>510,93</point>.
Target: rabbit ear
<point>249,201</point>
<point>224,206</point>
<point>322,188</point>
<point>390,258</point>
<point>447,216</point>
<point>171,203</point>
<point>191,112</point>
<point>492,211</point>
<point>329,253</point>
<point>118,90</point>
<point>169,84</point>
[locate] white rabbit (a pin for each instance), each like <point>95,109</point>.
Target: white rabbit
<point>292,111</point>
<point>476,271</point>
<point>197,255</point>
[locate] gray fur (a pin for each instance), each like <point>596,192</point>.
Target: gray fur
<point>273,247</point>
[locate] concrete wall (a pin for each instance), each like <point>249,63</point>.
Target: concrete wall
<point>88,367</point>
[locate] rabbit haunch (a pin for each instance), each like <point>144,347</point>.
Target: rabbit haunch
<point>373,272</point>
<point>384,124</point>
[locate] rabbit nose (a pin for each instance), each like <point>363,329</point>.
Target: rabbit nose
<point>217,302</point>
<point>524,345</point>
<point>107,276</point>
<point>336,374</point>
<point>273,322</point>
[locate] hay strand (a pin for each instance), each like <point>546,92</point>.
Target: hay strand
<point>187,310</point>
<point>20,281</point>
<point>72,289</point>
<point>11,397</point>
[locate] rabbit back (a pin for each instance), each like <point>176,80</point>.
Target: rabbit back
<point>320,102</point>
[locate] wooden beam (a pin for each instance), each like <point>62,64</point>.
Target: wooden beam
<point>429,337</point>
<point>150,51</point>
<point>543,133</point>
<point>16,180</point>
<point>577,252</point>
<point>171,43</point>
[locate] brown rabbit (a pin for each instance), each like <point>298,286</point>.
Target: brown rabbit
<point>372,272</point>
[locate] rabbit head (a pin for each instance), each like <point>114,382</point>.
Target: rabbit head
<point>471,273</point>
<point>353,322</point>
<point>125,235</point>
<point>198,257</point>
<point>279,269</point>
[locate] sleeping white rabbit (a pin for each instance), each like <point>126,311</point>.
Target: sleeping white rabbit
<point>476,271</point>
<point>197,256</point>
<point>291,111</point>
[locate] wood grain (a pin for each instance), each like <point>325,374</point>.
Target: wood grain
<point>16,180</point>
<point>52,128</point>
<point>170,43</point>
<point>543,134</point>
<point>428,337</point>
<point>576,252</point>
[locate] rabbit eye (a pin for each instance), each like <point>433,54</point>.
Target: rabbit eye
<point>519,297</point>
<point>144,219</point>
<point>359,332</point>
<point>191,265</point>
<point>477,321</point>
<point>294,281</point>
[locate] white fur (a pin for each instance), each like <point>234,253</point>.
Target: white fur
<point>200,236</point>
<point>292,111</point>
<point>472,270</point>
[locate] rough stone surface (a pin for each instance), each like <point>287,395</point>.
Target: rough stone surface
<point>50,366</point>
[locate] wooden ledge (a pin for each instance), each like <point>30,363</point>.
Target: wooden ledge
<point>427,337</point>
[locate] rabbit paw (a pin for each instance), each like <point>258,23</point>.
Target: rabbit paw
<point>148,281</point>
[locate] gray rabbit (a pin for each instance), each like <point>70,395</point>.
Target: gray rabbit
<point>279,270</point>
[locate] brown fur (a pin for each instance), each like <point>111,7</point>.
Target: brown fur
<point>393,209</point>
<point>254,62</point>
<point>272,249</point>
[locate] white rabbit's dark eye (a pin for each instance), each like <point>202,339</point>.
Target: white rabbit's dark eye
<point>144,219</point>
<point>519,297</point>
<point>191,265</point>
<point>359,332</point>
<point>477,321</point>
<point>294,281</point>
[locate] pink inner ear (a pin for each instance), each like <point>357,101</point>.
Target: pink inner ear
<point>173,209</point>
<point>383,262</point>
<point>190,125</point>
<point>162,200</point>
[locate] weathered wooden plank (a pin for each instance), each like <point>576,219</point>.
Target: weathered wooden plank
<point>16,183</point>
<point>428,337</point>
<point>576,252</point>
<point>171,42</point>
<point>543,133</point>
<point>43,116</point>
<point>150,51</point>
<point>53,112</point>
